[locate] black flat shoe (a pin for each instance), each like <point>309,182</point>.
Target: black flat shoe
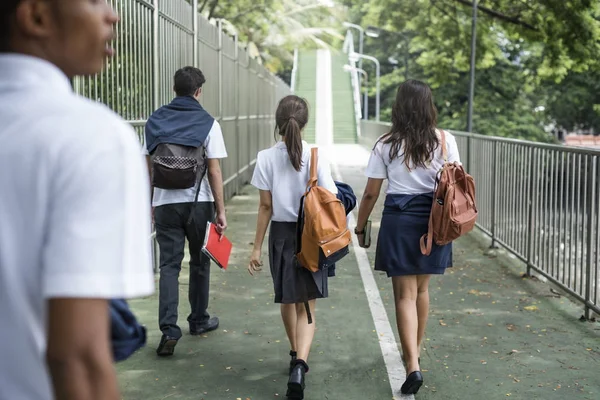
<point>208,326</point>
<point>296,383</point>
<point>166,347</point>
<point>413,383</point>
<point>294,355</point>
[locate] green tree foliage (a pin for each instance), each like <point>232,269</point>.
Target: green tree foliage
<point>537,64</point>
<point>273,28</point>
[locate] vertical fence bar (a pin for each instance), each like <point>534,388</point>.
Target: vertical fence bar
<point>591,190</point>
<point>533,178</point>
<point>220,72</point>
<point>494,193</point>
<point>155,59</point>
<point>236,64</point>
<point>195,28</point>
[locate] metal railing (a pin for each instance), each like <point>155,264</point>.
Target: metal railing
<point>154,39</point>
<point>349,49</point>
<point>539,201</point>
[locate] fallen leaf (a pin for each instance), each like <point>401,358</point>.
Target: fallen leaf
<point>531,308</point>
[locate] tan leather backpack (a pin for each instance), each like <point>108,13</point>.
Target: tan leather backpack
<point>453,210</point>
<point>323,237</point>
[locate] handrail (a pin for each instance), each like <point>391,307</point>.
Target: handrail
<point>349,49</point>
<point>294,72</point>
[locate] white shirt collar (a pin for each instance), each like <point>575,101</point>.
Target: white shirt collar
<point>21,71</point>
<point>281,144</point>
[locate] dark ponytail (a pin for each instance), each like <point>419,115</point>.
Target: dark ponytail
<point>291,117</point>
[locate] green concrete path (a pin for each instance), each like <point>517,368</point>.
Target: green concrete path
<point>491,334</point>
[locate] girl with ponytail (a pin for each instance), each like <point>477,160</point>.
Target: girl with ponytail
<point>281,175</point>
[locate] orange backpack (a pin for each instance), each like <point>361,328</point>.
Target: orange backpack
<point>323,237</point>
<point>453,210</point>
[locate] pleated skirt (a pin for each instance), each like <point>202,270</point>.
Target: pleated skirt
<point>292,283</point>
<point>405,219</point>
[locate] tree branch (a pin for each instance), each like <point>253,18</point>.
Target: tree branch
<point>202,6</point>
<point>499,15</point>
<point>213,6</point>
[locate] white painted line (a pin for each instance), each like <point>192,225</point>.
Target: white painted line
<point>387,340</point>
<point>324,138</point>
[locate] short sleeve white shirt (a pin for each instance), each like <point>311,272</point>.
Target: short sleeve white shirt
<point>215,149</point>
<point>401,180</point>
<point>274,172</point>
<point>74,211</point>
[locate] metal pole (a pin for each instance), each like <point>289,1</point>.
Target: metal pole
<point>494,192</point>
<point>361,32</point>
<point>590,257</point>
<point>360,48</point>
<point>377,89</point>
<point>533,186</point>
<point>472,77</point>
<point>155,61</point>
<point>237,115</point>
<point>220,57</point>
<point>366,103</point>
<point>377,77</point>
<point>195,25</point>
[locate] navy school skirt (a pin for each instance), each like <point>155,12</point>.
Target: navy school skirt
<point>405,219</point>
<point>292,283</point>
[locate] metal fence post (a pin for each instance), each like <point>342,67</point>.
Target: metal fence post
<point>590,206</point>
<point>155,60</point>
<point>533,177</point>
<point>195,25</point>
<point>469,153</point>
<point>237,115</point>
<point>220,58</point>
<point>494,192</point>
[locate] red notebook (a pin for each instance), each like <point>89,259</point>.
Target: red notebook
<point>216,246</point>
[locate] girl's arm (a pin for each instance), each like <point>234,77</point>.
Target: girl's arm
<point>265,211</point>
<point>367,203</point>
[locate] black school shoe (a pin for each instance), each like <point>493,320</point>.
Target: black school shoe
<point>166,347</point>
<point>208,326</point>
<point>413,383</point>
<point>296,383</point>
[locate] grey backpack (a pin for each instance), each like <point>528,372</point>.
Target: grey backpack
<point>176,166</point>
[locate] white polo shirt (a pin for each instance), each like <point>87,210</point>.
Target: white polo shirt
<point>215,148</point>
<point>74,213</point>
<point>400,179</point>
<point>274,172</point>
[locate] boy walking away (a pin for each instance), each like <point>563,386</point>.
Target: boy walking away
<point>183,144</point>
<point>74,205</point>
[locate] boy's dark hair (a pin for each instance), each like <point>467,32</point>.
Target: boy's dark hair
<point>187,80</point>
<point>7,10</point>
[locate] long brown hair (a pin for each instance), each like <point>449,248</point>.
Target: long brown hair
<point>290,118</point>
<point>414,119</point>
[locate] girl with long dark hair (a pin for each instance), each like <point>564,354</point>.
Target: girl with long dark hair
<point>409,156</point>
<point>281,174</point>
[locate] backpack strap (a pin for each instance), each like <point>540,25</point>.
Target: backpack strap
<point>314,161</point>
<point>191,217</point>
<point>426,241</point>
<point>444,147</point>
